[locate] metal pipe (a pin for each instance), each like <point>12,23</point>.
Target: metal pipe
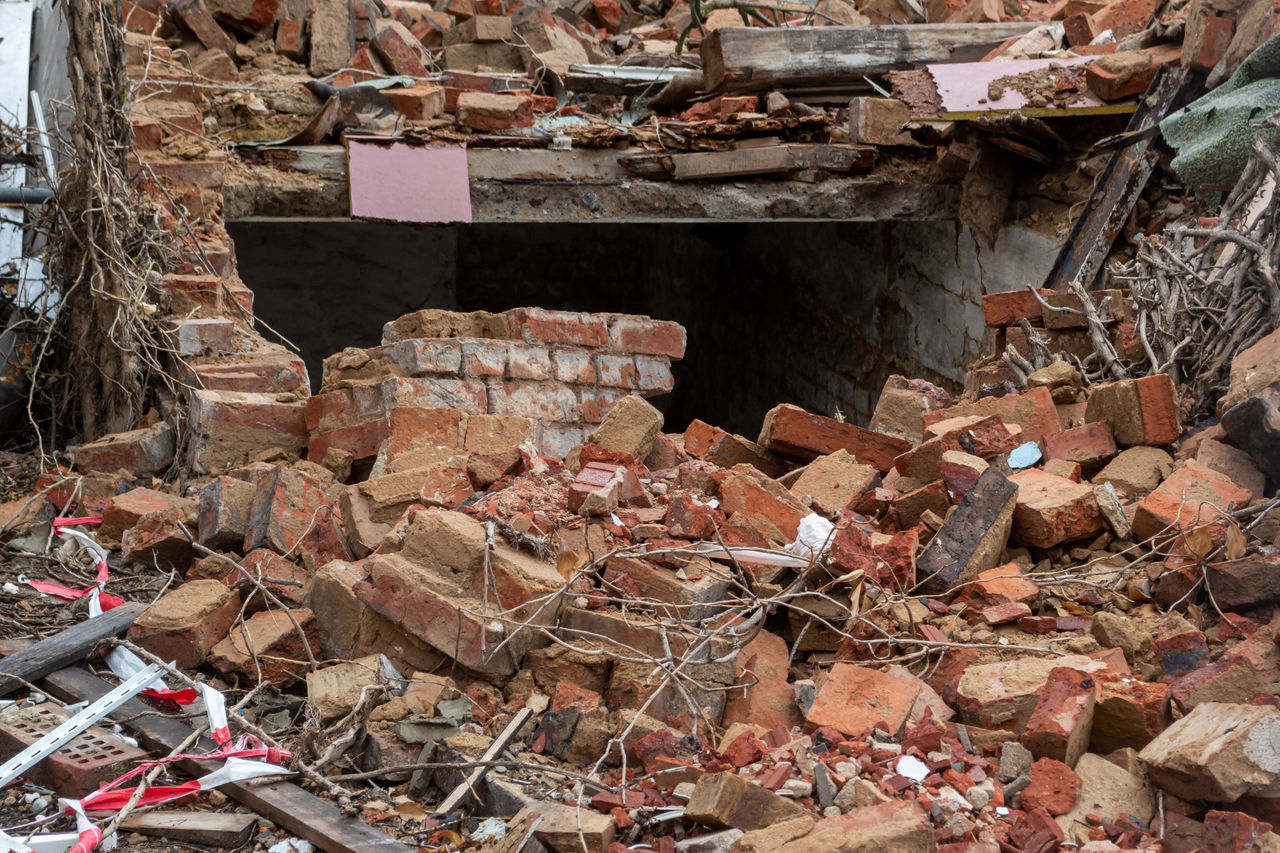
<point>25,195</point>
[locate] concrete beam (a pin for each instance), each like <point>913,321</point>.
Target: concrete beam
<point>585,186</point>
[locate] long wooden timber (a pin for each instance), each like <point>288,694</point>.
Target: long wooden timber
<point>752,59</point>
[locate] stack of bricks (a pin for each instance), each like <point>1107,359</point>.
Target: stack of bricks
<point>1062,324</point>
<point>562,369</point>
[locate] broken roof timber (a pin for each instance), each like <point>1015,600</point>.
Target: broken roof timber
<point>585,185</point>
<point>749,59</point>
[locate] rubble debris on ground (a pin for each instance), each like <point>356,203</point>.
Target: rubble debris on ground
<point>477,592</point>
<point>988,622</point>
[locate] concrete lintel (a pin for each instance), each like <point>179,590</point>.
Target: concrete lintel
<point>586,186</point>
<point>836,199</point>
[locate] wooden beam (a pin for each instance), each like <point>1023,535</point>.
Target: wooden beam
<point>65,648</point>
<point>1117,188</point>
<point>751,59</point>
<point>216,829</point>
<point>283,803</point>
<point>467,786</point>
<point>618,79</point>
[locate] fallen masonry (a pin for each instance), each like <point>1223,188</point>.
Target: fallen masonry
<point>476,589</point>
<point>461,571</point>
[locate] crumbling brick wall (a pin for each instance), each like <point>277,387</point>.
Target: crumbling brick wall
<point>563,369</point>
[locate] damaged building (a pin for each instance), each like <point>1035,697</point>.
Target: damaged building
<point>695,426</point>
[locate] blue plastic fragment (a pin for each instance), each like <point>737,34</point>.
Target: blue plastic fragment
<point>1024,455</point>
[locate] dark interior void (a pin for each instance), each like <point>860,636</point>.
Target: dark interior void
<point>817,314</point>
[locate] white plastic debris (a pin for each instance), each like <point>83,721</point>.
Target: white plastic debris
<point>291,845</point>
<point>490,829</point>
<point>813,537</point>
<point>912,767</point>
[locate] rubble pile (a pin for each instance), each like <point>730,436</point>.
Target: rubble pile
<point>1021,621</point>
<point>607,73</point>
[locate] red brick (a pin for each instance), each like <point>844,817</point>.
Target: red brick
<point>686,519</point>
<point>88,761</point>
<point>281,651</point>
<point>1125,17</point>
<point>647,337</point>
<point>1051,510</point>
<point>1033,411</point>
<point>1059,726</point>
<point>1053,624</point>
<point>653,375</point>
<point>912,506</point>
<point>1192,495</point>
<point>617,371</point>
<point>525,361</point>
<point>732,104</point>
<point>125,510</point>
<point>744,499</point>
<point>1140,411</point>
<point>1215,40</point>
<point>855,699</point>
<point>1232,830</point>
<point>541,401</point>
<point>417,103</point>
<point>410,428</point>
<point>400,54</point>
<point>228,426</point>
<point>1231,678</point>
<point>596,402</point>
<point>141,452</point>
<point>560,327</point>
<point>1234,464</point>
<point>1090,445</point>
<point>484,358</point>
<point>186,622</point>
<point>763,696</point>
<point>1053,787</point>
<point>792,431</point>
<point>286,580</point>
<point>139,20</point>
<point>289,38</point>
<point>1129,713</point>
<point>1180,654</point>
<point>1007,308</point>
<point>999,614</point>
<point>1079,29</point>
<point>485,112</point>
<point>1036,830</point>
<point>481,28</point>
<point>574,365</point>
<point>292,514</point>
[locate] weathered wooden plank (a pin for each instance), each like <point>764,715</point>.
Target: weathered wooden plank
<point>217,829</point>
<point>1117,188</point>
<point>618,79</point>
<point>65,648</point>
<point>468,785</point>
<point>751,59</point>
<point>284,803</point>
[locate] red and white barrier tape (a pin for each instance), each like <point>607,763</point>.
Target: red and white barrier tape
<point>64,528</point>
<point>236,764</point>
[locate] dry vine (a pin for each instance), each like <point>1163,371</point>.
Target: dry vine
<point>107,251</point>
<point>1201,295</point>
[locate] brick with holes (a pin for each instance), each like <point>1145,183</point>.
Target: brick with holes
<point>91,759</point>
